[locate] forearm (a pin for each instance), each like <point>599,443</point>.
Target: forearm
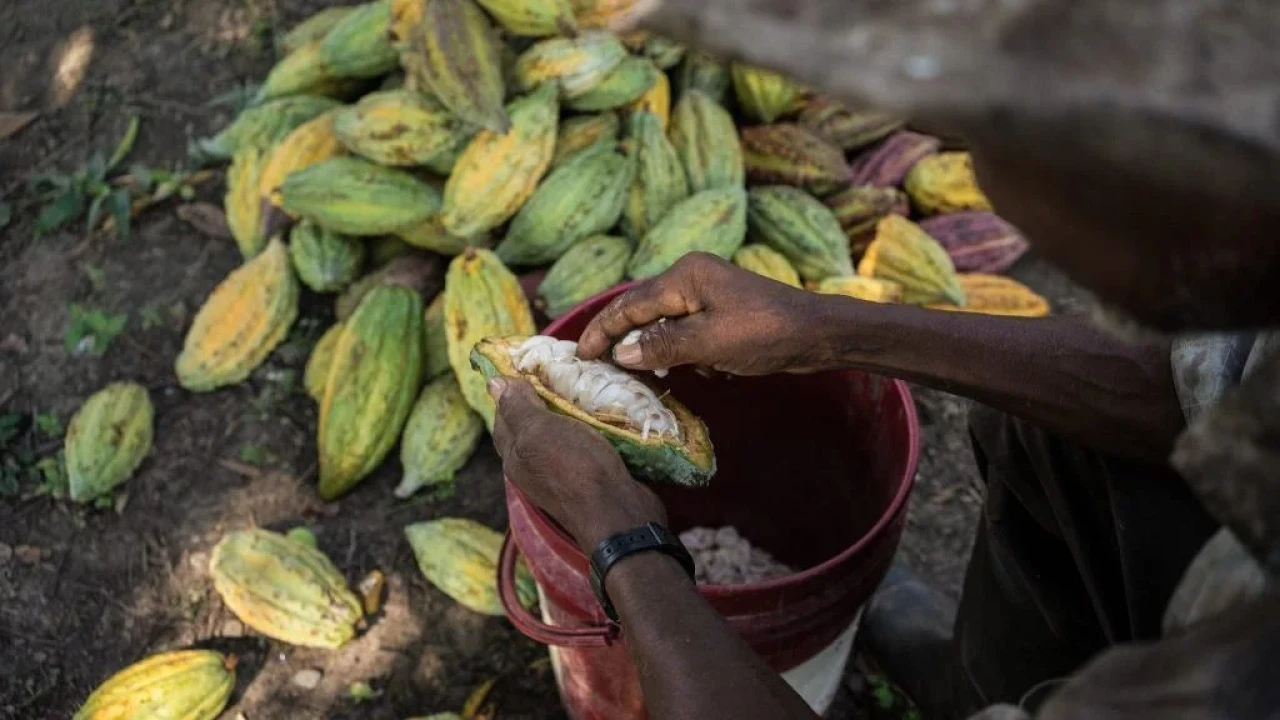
<point>1063,373</point>
<point>691,663</point>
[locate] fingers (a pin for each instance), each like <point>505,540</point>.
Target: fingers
<point>686,341</point>
<point>518,404</point>
<point>666,296</point>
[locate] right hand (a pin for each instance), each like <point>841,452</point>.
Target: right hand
<point>718,316</point>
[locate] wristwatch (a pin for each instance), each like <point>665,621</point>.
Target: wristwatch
<point>648,537</point>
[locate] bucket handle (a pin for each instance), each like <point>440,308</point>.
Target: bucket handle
<point>531,626</point>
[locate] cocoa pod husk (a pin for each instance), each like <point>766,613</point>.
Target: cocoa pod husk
<point>847,129</point>
<point>861,207</point>
<point>791,154</point>
<point>887,163</point>
<point>977,241</point>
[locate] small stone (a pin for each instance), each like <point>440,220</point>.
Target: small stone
<point>6,554</point>
<point>232,628</point>
<point>307,679</point>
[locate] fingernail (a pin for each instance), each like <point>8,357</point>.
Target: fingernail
<point>496,386</point>
<point>628,353</point>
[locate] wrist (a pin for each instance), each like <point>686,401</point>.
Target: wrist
<point>615,507</point>
<point>846,331</point>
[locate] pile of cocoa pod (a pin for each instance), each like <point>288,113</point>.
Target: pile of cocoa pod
<point>399,140</point>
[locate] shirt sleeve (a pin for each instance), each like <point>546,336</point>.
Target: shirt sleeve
<point>1205,367</point>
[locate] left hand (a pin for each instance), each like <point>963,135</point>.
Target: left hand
<point>566,468</point>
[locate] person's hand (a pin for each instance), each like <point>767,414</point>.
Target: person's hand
<point>566,468</point>
<point>718,316</point>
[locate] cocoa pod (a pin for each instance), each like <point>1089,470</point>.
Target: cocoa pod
<point>602,14</point>
<point>704,73</point>
<point>316,374</point>
<point>417,271</point>
<point>800,227</point>
<point>455,53</point>
<point>532,18</point>
<point>353,196</point>
<point>587,269</point>
<point>435,343</point>
<point>906,255</point>
<point>790,154</point>
<point>576,65</point>
<point>978,242</point>
<point>713,221</point>
<point>886,164</point>
<point>997,295</point>
<point>704,136</point>
<point>314,27</point>
<point>261,126</point>
<point>585,131</point>
<point>187,684</point>
<point>359,46</point>
<point>242,204</point>
<point>860,208</point>
<point>763,94</point>
<point>945,183</point>
<point>628,82</point>
<point>403,128</point>
<point>862,288</point>
<point>324,260</point>
<point>460,558</point>
<point>107,440</point>
<point>660,182</point>
<point>439,437</point>
<point>656,100</point>
<point>845,128</point>
<point>764,260</point>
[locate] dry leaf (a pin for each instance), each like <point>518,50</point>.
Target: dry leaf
<point>243,469</point>
<point>206,218</point>
<point>471,709</point>
<point>11,122</point>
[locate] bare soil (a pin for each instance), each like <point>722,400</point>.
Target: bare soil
<point>84,592</point>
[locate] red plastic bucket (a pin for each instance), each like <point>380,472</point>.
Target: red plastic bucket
<point>816,469</point>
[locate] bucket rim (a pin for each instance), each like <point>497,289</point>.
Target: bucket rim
<point>895,507</point>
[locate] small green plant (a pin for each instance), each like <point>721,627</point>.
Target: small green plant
<point>253,454</point>
<point>92,331</point>
<point>152,317</point>
<point>10,426</point>
<point>53,476</point>
<point>50,425</point>
<point>65,197</point>
<point>97,276</point>
<point>361,691</point>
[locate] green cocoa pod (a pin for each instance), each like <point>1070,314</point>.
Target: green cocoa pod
<point>705,74</point>
<point>440,436</point>
<point>373,381</point>
<point>764,260</point>
<point>575,65</point>
<point>707,142</point>
<point>316,375</point>
<point>713,221</point>
<point>359,46</point>
<point>800,227</point>
<point>582,197</point>
<point>107,440</point>
<point>262,126</point>
<point>577,134</point>
<point>324,260</point>
<point>590,267</point>
<point>356,197</point>
<point>460,558</point>
<point>186,684</point>
<point>660,182</point>
<point>435,343</point>
<point>663,51</point>
<point>403,128</point>
<point>627,83</point>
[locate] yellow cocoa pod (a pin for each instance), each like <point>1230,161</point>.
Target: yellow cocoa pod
<point>460,557</point>
<point>945,183</point>
<point>359,46</point>
<point>656,100</point>
<point>997,295</point>
<point>243,320</point>
<point>482,298</point>
<point>763,94</point>
<point>498,172</point>
<point>403,128</point>
<point>440,436</point>
<point>628,82</point>
<point>605,14</point>
<point>659,184</point>
<point>406,15</point>
<point>284,589</point>
<point>456,54</point>
<point>764,260</point>
<point>713,221</point>
<point>314,27</point>
<point>316,375</point>
<point>311,143</point>
<point>301,72</point>
<point>575,65</point>
<point>324,260</point>
<point>705,138</point>
<point>353,196</point>
<point>242,203</point>
<point>579,133</point>
<point>905,254</point>
<point>862,288</point>
<point>532,18</point>
<point>186,684</point>
<point>373,380</point>
<point>107,440</point>
<point>435,343</point>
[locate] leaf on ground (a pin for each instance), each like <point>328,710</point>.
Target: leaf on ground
<point>242,469</point>
<point>121,207</point>
<point>11,123</point>
<point>471,708</point>
<point>126,143</point>
<point>61,211</point>
<point>206,218</point>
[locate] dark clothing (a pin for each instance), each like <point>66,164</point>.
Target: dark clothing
<point>1076,551</point>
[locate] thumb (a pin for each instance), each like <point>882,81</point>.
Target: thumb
<point>666,344</point>
<point>518,403</point>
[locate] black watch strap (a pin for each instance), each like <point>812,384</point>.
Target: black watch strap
<point>647,537</point>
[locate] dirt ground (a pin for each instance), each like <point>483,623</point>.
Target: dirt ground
<point>84,592</point>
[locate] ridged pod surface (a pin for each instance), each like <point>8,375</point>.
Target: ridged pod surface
<point>862,288</point>
<point>403,128</point>
<point>905,254</point>
<point>301,72</point>
<point>482,298</point>
<point>178,685</point>
<point>309,144</point>
<point>628,82</point>
<point>663,51</point>
<point>440,436</point>
<point>314,27</point>
<point>575,65</point>
<point>262,126</point>
<point>656,100</point>
<point>713,221</point>
<point>424,274</point>
<point>945,183</point>
<point>432,236</point>
<point>790,154</point>
<point>316,375</point>
<point>241,322</point>
<point>373,381</point>
<point>978,242</point>
<point>800,227</point>
<point>707,142</point>
<point>704,73</point>
<point>886,163</point>
<point>435,342</point>
<point>284,589</point>
<point>997,295</point>
<point>660,182</point>
<point>107,439</point>
<point>498,172</point>
<point>845,128</point>
<point>532,18</point>
<point>579,133</point>
<point>764,260</point>
<point>460,557</point>
<point>242,204</point>
<point>359,46</point>
<point>590,267</point>
<point>861,207</point>
<point>324,260</point>
<point>356,197</point>
<point>764,94</point>
<point>603,13</point>
<point>460,62</point>
<point>582,197</point>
